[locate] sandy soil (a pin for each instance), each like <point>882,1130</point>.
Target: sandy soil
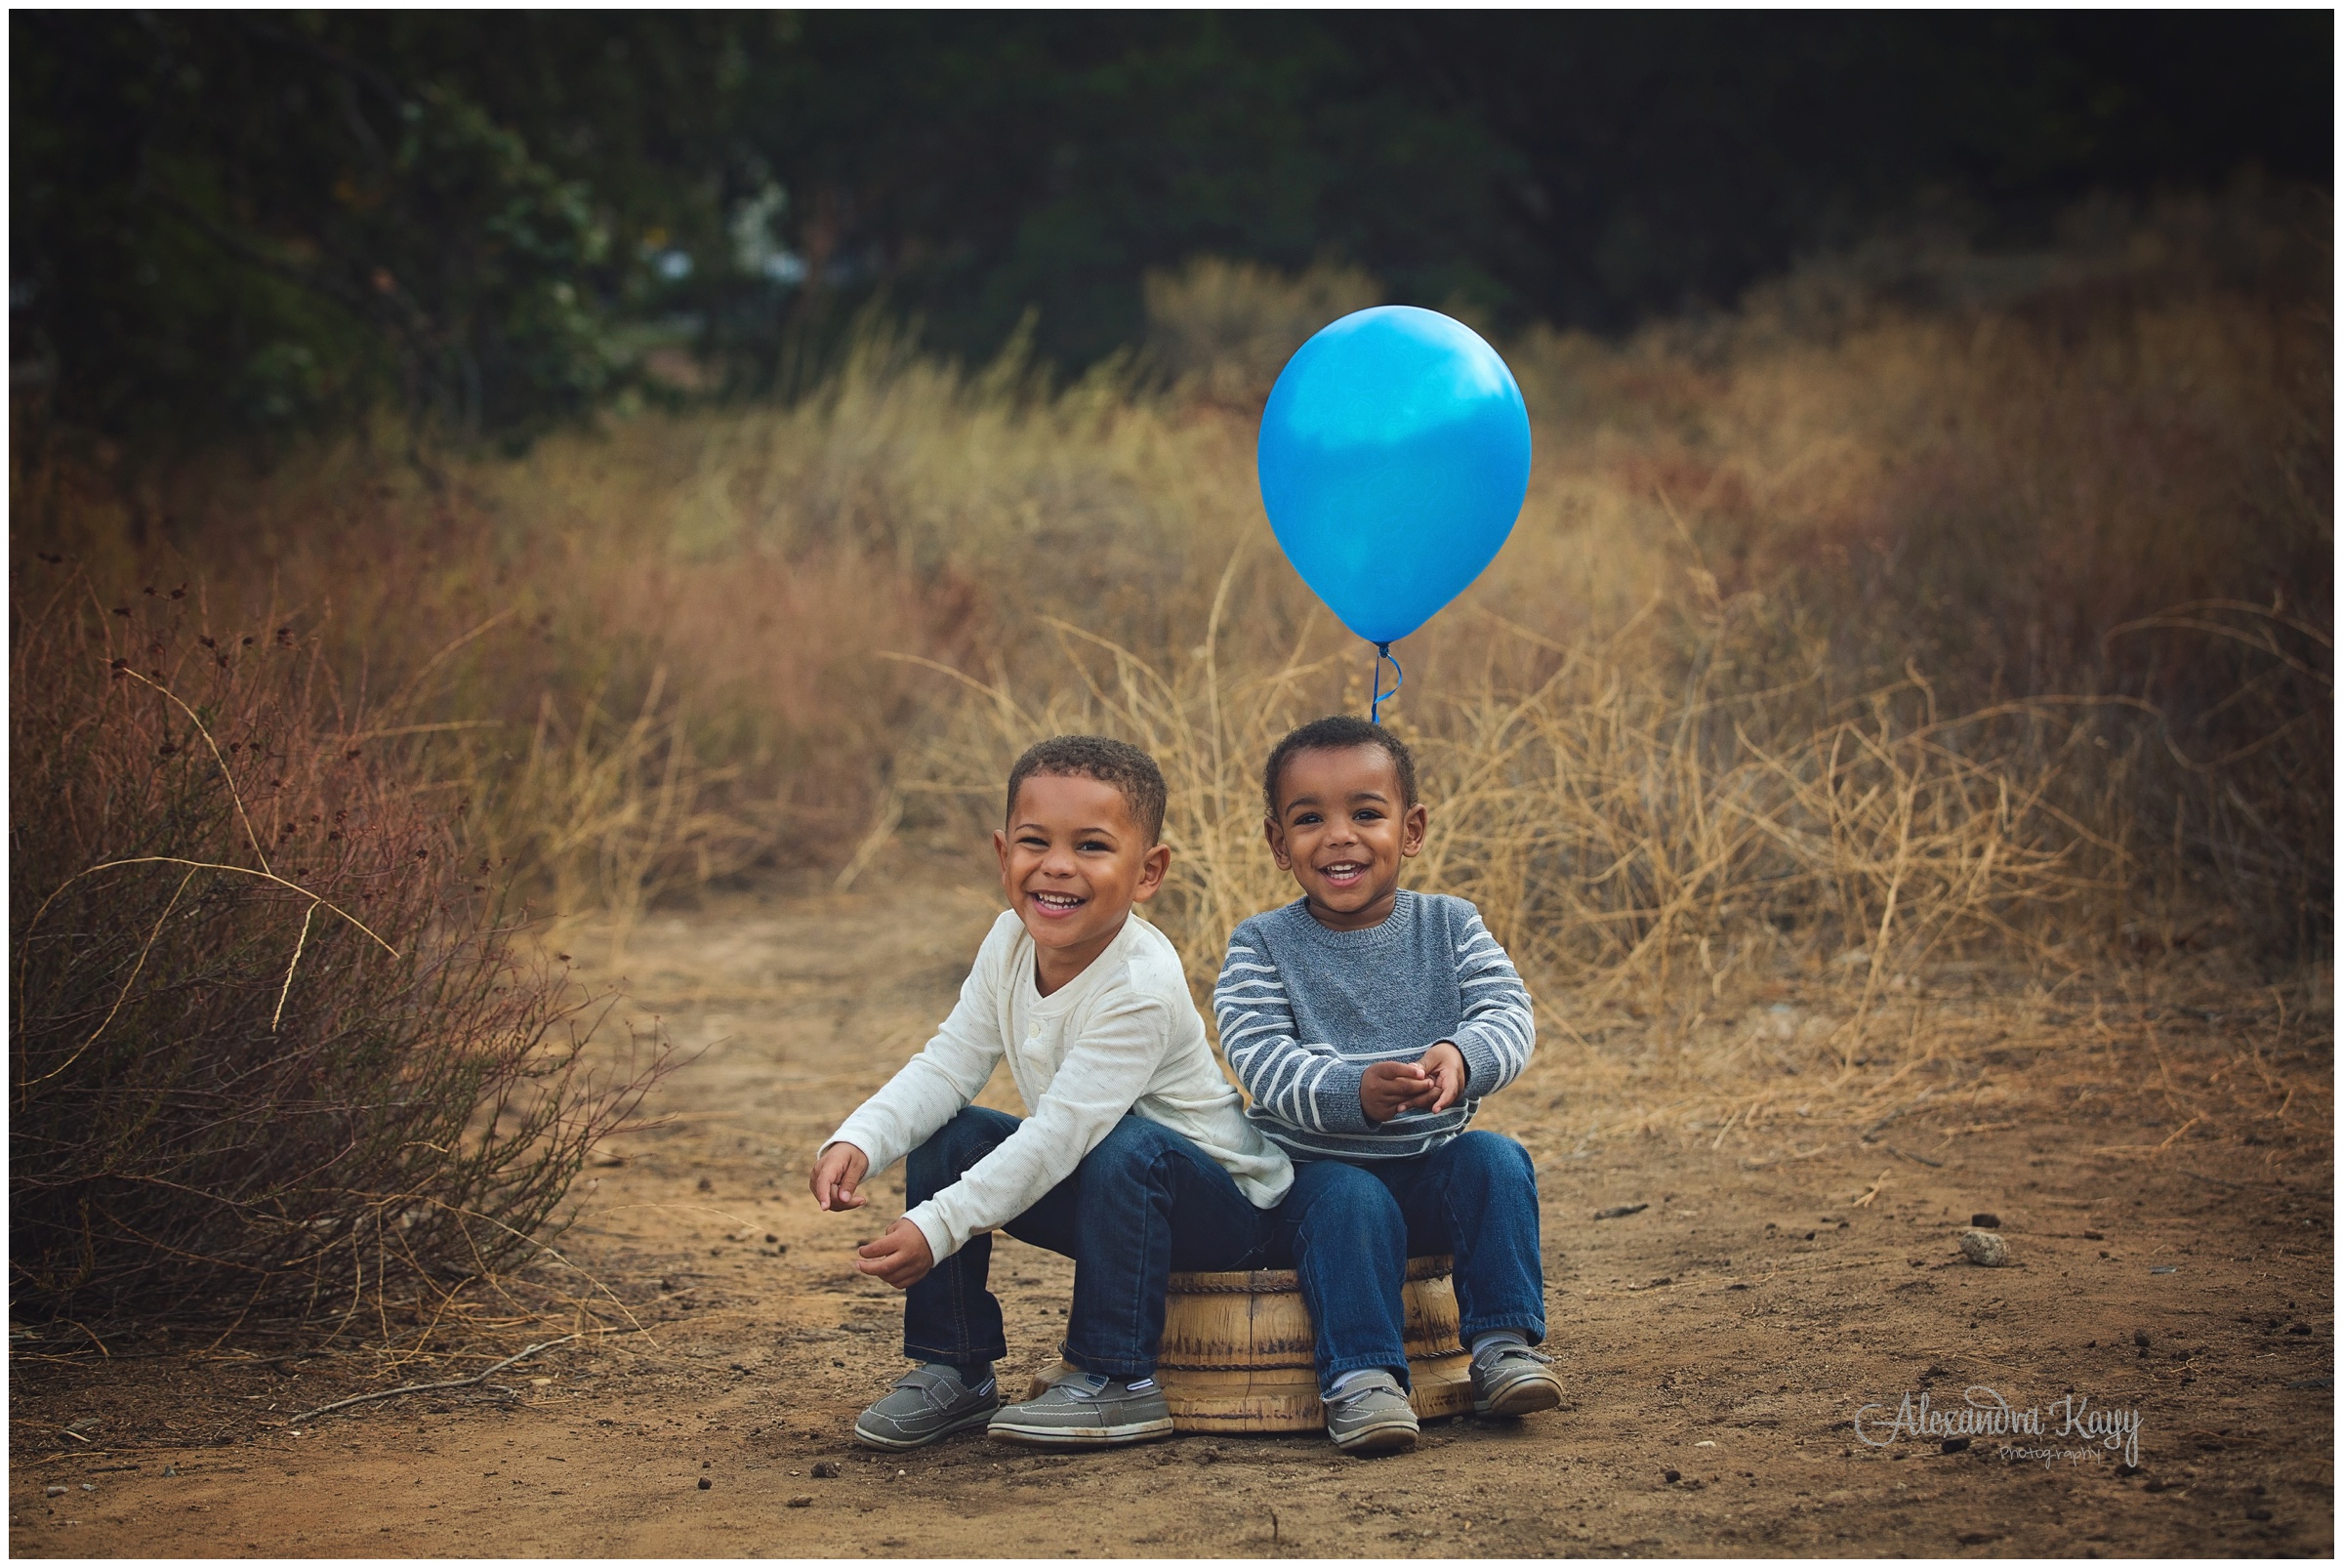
<point>1719,1344</point>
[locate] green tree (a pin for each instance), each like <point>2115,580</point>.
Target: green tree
<point>230,222</point>
<point>224,223</point>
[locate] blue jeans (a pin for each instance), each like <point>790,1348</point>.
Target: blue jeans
<point>1350,1230</point>
<point>1145,1202</point>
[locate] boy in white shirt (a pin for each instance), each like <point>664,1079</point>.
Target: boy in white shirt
<point>1136,1159</point>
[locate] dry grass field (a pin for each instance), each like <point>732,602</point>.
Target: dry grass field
<point>1896,743</point>
<point>2017,600</point>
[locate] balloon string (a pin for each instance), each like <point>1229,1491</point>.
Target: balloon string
<point>1375,709</point>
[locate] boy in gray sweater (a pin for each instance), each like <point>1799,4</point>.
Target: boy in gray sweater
<point>1367,1022</point>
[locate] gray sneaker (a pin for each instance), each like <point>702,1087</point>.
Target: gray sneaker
<point>1374,1417</point>
<point>1513,1380</point>
<point>929,1402</point>
<point>1086,1411</point>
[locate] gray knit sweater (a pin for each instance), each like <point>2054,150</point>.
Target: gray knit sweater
<point>1304,1011</point>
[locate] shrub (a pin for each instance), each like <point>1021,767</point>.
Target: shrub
<point>272,1047</point>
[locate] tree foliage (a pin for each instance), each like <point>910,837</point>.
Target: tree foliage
<point>229,223</point>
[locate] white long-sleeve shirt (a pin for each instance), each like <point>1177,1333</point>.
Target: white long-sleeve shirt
<point>1120,1038</point>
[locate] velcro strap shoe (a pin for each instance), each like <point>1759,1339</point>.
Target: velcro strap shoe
<point>1086,1411</point>
<point>1513,1380</point>
<point>927,1402</point>
<point>1372,1417</point>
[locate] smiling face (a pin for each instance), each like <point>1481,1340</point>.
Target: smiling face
<point>1072,864</point>
<point>1341,828</point>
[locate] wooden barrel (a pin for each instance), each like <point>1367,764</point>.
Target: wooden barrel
<point>1236,1353</point>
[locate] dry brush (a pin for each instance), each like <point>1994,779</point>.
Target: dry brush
<point>273,1049</point>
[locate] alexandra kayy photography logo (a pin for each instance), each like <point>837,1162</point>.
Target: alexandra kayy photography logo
<point>2033,1434</point>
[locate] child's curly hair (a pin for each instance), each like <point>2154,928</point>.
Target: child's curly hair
<point>1113,762</point>
<point>1339,733</point>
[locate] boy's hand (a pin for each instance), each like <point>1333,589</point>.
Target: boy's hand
<point>1444,1066</point>
<point>836,1176</point>
<point>1390,1087</point>
<point>1432,1084</point>
<point>900,1256</point>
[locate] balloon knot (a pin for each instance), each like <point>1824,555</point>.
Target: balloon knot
<point>1375,709</point>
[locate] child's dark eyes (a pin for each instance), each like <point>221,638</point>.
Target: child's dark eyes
<point>1307,819</point>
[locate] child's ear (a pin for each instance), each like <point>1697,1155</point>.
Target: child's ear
<point>1001,851</point>
<point>1413,827</point>
<point>1152,868</point>
<point>1274,832</point>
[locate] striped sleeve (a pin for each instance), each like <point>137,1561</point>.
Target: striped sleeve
<point>1500,1029</point>
<point>1309,1087</point>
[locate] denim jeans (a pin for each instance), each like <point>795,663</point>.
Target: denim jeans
<point>1145,1202</point>
<point>1350,1230</point>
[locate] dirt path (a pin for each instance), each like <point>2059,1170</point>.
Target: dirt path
<point>1726,1336</point>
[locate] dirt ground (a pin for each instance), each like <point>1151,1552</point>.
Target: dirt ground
<point>1719,1344</point>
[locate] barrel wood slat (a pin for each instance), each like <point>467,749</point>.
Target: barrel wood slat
<point>1237,1352</point>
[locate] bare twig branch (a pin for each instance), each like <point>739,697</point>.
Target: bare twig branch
<point>429,1387</point>
<point>286,989</point>
<point>123,994</point>
<point>204,730</point>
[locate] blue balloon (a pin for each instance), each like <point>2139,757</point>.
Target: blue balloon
<point>1394,456</point>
